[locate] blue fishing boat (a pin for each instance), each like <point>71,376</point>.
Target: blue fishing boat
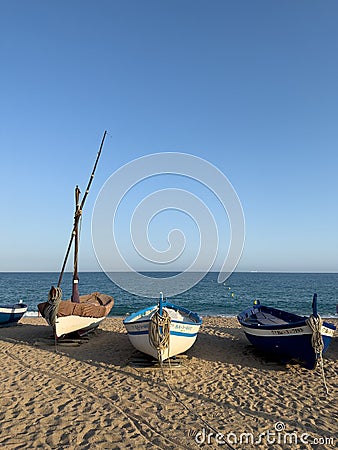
<point>287,335</point>
<point>11,314</point>
<point>163,330</point>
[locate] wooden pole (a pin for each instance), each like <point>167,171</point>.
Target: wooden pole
<point>75,290</point>
<point>78,213</point>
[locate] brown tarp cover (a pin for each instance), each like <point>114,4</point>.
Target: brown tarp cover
<point>91,305</point>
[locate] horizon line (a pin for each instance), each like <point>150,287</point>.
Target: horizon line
<point>172,271</point>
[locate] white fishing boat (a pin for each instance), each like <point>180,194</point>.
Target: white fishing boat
<point>80,314</point>
<point>163,330</point>
<point>82,317</point>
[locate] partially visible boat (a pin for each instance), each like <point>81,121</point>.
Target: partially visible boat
<point>163,330</point>
<point>287,335</point>
<point>80,314</point>
<point>11,314</point>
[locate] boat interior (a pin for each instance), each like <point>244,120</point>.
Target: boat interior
<point>175,314</point>
<point>269,317</point>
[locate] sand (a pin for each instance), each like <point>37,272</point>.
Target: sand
<point>91,396</point>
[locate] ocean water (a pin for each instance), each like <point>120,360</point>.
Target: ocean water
<point>289,291</point>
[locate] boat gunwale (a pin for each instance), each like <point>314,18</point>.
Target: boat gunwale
<point>14,305</point>
<point>17,308</point>
<point>133,317</point>
<point>247,313</point>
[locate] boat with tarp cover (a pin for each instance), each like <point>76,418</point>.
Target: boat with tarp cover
<point>80,314</point>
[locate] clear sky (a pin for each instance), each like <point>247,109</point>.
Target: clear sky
<point>250,86</point>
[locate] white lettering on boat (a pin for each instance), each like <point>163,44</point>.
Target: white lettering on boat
<point>288,331</point>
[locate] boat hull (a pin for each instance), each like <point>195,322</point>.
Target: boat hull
<point>94,307</point>
<point>289,341</point>
<point>183,334</point>
<point>80,325</point>
<point>11,314</point>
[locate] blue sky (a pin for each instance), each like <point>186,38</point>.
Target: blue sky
<point>250,86</point>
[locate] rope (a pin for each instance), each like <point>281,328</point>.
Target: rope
<point>51,309</point>
<point>315,323</point>
<point>159,332</point>
<point>159,338</point>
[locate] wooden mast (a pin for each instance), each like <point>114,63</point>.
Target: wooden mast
<point>75,231</point>
<point>75,290</point>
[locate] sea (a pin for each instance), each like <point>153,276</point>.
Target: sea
<point>289,291</point>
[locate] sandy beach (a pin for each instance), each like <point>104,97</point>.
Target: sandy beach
<point>95,396</point>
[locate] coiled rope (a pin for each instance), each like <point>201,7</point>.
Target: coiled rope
<point>51,309</point>
<point>159,333</point>
<point>315,323</point>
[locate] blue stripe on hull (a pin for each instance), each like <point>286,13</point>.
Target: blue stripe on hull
<point>177,333</point>
<point>138,333</point>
